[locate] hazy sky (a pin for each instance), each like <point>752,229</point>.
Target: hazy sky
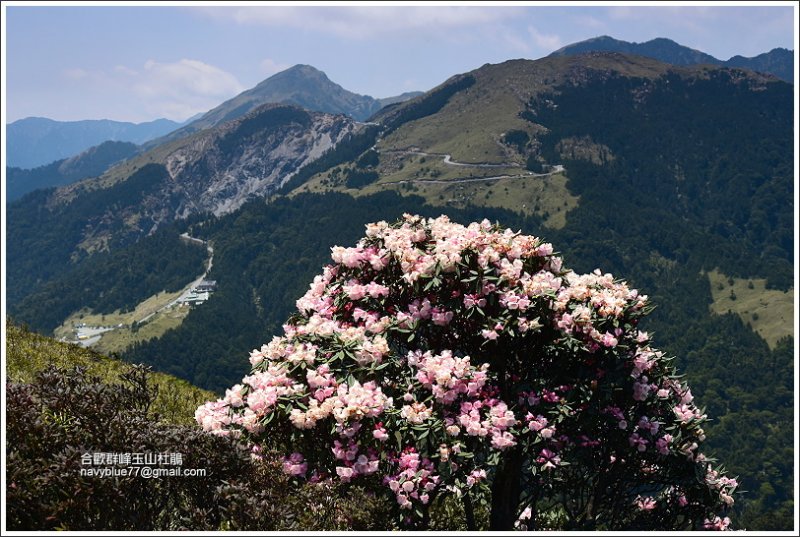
<point>144,62</point>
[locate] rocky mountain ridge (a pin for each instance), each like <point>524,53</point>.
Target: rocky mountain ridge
<point>300,85</point>
<point>778,61</point>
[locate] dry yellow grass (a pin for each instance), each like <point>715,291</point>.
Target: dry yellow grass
<point>121,338</point>
<point>545,196</point>
<point>769,311</point>
<point>143,309</point>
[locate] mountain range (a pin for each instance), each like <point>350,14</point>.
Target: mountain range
<point>90,163</point>
<point>676,177</point>
<point>778,61</point>
<point>34,142</point>
<point>301,85</point>
<point>37,141</point>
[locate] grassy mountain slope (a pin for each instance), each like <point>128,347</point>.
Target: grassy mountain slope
<point>471,124</point>
<point>28,353</point>
<point>768,311</point>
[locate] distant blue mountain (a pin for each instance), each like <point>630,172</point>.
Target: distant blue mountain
<point>36,141</point>
<point>91,163</point>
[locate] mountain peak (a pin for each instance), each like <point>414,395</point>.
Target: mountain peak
<point>298,71</point>
<point>303,68</point>
<point>301,85</point>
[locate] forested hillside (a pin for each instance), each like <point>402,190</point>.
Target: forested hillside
<point>115,281</point>
<point>47,240</point>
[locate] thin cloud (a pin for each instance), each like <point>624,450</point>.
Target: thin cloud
<point>363,22</point>
<point>269,67</point>
<point>75,73</point>
<point>517,43</point>
<point>548,42</point>
<point>184,88</point>
<point>125,70</point>
<point>587,21</point>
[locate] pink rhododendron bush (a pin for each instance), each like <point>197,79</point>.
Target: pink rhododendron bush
<point>434,360</point>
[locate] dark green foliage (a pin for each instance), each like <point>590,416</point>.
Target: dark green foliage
<point>517,139</point>
<point>63,415</point>
<point>115,281</point>
<point>532,164</point>
<point>752,393</point>
<point>368,159</point>
<point>359,178</point>
<point>725,173</point>
<point>263,121</point>
<point>42,235</point>
<point>429,104</point>
<point>345,151</point>
<point>92,163</point>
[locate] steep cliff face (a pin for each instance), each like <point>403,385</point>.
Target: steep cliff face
<point>218,170</point>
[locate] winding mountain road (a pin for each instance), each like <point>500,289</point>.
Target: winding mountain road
<point>188,288</point>
<point>447,158</point>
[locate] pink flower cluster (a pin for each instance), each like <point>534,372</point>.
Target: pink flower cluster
<point>448,377</point>
<point>442,336</point>
<point>717,523</point>
<point>214,417</point>
<point>415,479</point>
<point>646,503</point>
<point>488,418</point>
<point>548,459</point>
<point>353,463</point>
<point>295,464</point>
<point>723,484</point>
<point>359,256</point>
<point>349,403</point>
<point>589,300</point>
